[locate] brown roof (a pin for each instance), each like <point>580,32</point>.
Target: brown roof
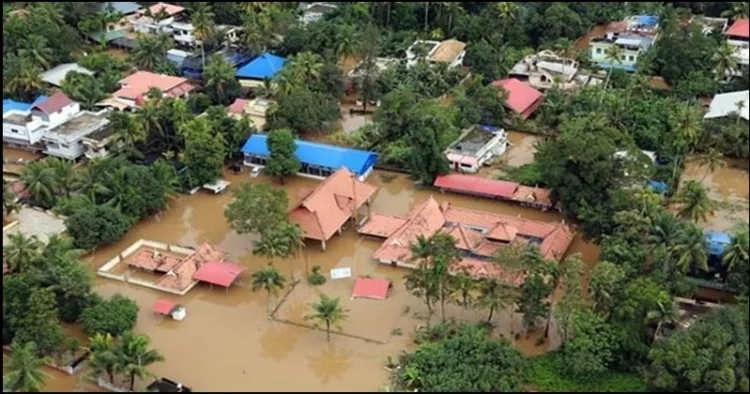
<point>55,103</point>
<point>464,224</point>
<point>382,225</point>
<point>138,84</point>
<point>331,204</point>
<point>447,51</point>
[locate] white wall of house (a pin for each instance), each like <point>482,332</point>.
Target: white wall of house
<point>147,25</point>
<point>64,149</point>
<point>494,147</point>
<point>598,50</point>
<point>28,134</point>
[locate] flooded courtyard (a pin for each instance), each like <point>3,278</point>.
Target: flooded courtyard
<point>729,187</point>
<point>228,343</point>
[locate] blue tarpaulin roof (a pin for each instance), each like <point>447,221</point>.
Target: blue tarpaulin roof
<point>124,7</point>
<point>263,66</point>
<point>321,155</point>
<point>717,242</point>
<point>10,105</point>
<point>648,21</point>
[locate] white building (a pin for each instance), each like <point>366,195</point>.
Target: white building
<point>632,45</point>
<point>450,51</point>
<point>725,104</point>
<point>737,36</point>
<point>476,146</point>
<point>313,12</point>
<point>55,125</point>
<point>184,33</point>
<point>546,69</point>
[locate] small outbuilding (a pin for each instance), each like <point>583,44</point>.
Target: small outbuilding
<point>373,288</point>
<point>169,308</point>
<point>220,273</point>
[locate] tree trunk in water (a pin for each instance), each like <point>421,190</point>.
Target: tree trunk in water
<point>328,331</point>
<point>132,381</point>
<point>388,15</point>
<point>489,318</point>
<point>268,302</point>
<point>111,375</point>
<point>442,303</point>
<point>656,332</point>
<point>546,329</point>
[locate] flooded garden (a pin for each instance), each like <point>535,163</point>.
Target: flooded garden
<point>728,187</point>
<point>232,342</point>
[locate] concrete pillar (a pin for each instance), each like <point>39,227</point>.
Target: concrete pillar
<point>323,245</point>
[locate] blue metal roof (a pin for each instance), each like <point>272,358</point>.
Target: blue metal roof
<point>263,66</point>
<point>322,155</point>
<point>717,242</point>
<point>623,67</point>
<point>124,7</point>
<point>648,21</point>
<point>11,105</point>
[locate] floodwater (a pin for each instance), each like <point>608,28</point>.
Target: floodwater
<point>227,343</point>
<point>520,151</point>
<point>351,121</point>
<point>729,187</point>
<point>14,160</point>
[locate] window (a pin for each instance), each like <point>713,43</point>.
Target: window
<point>624,58</point>
<point>464,165</point>
<point>631,58</point>
<point>598,51</point>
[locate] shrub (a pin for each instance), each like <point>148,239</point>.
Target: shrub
<point>114,316</point>
<point>548,375</point>
<point>96,225</point>
<point>316,278</point>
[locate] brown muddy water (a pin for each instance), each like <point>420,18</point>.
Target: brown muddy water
<point>729,187</point>
<point>227,342</point>
<point>520,151</point>
<point>10,156</point>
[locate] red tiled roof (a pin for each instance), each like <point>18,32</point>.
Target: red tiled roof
<point>138,84</point>
<point>218,273</point>
<point>477,185</point>
<point>481,269</point>
<point>382,226</point>
<point>54,103</point>
<point>163,307</point>
<point>535,195</point>
<point>170,9</point>
<point>238,106</point>
<point>425,220</point>
<point>522,98</point>
<point>375,288</point>
<point>331,204</point>
<point>465,237</point>
<point>503,232</point>
<point>740,28</point>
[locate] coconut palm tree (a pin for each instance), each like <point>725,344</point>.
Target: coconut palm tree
<point>295,238</point>
<point>39,180</point>
<point>348,41</point>
<point>686,121</point>
<point>9,200</point>
<point>65,175</point>
<point>92,184</point>
<point>35,47</point>
<point>165,174</point>
<point>695,203</point>
<point>103,358</point>
<point>712,160</point>
<point>451,8</point>
<point>25,372</point>
<point>307,65</point>
<point>737,251</point>
<point>665,229</point>
<point>203,25</point>
<point>327,312</point>
<point>252,6</point>
<point>663,314</point>
<point>272,244</point>
<point>218,77</point>
<point>151,51</point>
<point>463,287</point>
<point>689,251</point>
<point>724,58</point>
<point>21,252</point>
<point>740,106</point>
<point>613,54</point>
<point>494,295</point>
<point>134,356</point>
<point>25,81</point>
<point>269,279</point>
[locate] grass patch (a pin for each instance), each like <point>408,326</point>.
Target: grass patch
<point>547,376</point>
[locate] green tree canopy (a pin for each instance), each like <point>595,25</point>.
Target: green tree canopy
<point>114,316</point>
<point>204,150</point>
<point>96,225</point>
<point>282,161</point>
<point>256,208</point>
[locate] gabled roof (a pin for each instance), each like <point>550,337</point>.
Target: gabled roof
<point>331,204</point>
<point>56,75</point>
<point>329,156</point>
<point>725,104</point>
<point>170,9</point>
<point>123,7</point>
<point>218,272</point>
<point>740,28</point>
<point>13,105</point>
<point>163,307</point>
<point>55,103</point>
<point>477,185</point>
<point>522,98</point>
<point>138,84</point>
<point>263,66</point>
<point>374,288</point>
<point>447,51</point>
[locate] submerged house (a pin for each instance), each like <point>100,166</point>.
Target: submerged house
<point>323,211</point>
<point>265,66</point>
<point>255,109</point>
<point>522,98</point>
<point>634,35</point>
<point>546,69</point>
<point>476,146</point>
<point>529,196</point>
<point>319,161</point>
<point>479,235</point>
<point>738,35</point>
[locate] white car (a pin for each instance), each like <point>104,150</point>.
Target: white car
<point>255,172</point>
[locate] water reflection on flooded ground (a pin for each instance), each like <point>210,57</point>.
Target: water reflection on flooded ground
<point>520,151</point>
<point>227,341</point>
<point>729,186</point>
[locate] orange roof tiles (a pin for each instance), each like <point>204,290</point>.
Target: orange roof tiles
<point>169,9</point>
<point>482,269</point>
<point>382,225</point>
<point>331,204</point>
<point>178,272</point>
<point>138,84</point>
<point>534,195</point>
<point>472,230</point>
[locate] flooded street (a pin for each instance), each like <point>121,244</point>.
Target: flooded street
<point>729,187</point>
<point>227,341</point>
